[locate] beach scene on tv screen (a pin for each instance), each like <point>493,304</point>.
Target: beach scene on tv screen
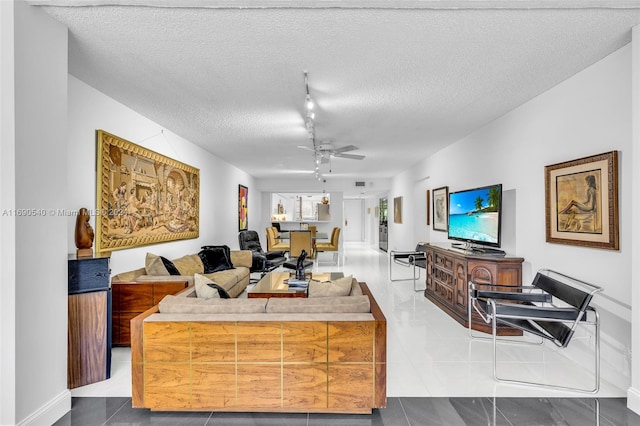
<point>474,215</point>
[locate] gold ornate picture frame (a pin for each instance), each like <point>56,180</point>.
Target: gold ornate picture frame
<point>581,202</point>
<point>143,197</point>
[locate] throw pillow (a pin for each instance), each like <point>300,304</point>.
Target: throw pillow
<point>333,288</point>
<point>207,289</point>
<point>171,268</point>
<point>216,258</point>
<point>158,265</point>
<point>203,291</point>
<point>189,265</point>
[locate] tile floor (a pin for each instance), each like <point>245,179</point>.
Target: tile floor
<point>414,411</point>
<point>433,370</point>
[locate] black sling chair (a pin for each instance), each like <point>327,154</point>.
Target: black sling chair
<point>416,259</point>
<point>552,308</point>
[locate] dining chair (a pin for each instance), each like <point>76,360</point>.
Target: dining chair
<point>298,241</point>
<point>332,245</point>
<point>314,232</point>
<point>272,243</point>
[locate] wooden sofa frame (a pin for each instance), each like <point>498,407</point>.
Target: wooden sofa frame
<point>322,363</point>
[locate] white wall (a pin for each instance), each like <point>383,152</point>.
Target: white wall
<point>587,114</point>
<point>633,394</point>
<point>90,110</point>
<point>39,183</point>
<point>7,223</point>
<point>371,221</point>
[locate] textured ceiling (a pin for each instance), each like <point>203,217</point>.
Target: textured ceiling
<point>399,83</point>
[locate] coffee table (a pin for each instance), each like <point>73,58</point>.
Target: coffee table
<point>273,284</point>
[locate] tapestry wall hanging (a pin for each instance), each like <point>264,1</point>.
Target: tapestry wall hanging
<point>143,197</point>
<point>581,202</point>
<point>243,198</point>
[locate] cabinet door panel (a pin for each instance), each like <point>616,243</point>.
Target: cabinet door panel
<point>461,286</point>
<point>160,290</point>
<point>87,344</point>
<point>135,297</point>
<point>483,272</point>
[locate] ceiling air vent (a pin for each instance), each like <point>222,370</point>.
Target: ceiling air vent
<point>359,183</point>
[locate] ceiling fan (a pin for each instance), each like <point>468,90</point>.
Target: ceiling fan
<point>325,150</point>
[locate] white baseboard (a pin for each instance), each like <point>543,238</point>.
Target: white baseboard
<point>633,399</point>
<point>51,412</point>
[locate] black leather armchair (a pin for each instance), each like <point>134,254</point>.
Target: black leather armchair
<point>263,261</point>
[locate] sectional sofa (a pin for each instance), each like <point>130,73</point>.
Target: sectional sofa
<point>317,354</point>
<point>231,272</point>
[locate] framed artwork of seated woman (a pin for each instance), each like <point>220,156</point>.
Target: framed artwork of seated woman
<point>582,202</point>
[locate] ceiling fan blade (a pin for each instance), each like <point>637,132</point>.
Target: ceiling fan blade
<point>349,156</point>
<point>306,147</point>
<point>345,148</point>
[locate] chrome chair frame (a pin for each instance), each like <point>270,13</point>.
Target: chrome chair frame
<point>544,313</point>
<point>527,293</point>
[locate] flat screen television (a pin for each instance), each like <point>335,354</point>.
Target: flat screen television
<point>475,215</point>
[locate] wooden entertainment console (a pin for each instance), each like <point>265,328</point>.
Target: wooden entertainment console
<point>449,271</point>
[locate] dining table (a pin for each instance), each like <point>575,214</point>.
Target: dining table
<point>284,235</point>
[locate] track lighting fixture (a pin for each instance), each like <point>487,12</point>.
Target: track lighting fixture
<point>310,116</point>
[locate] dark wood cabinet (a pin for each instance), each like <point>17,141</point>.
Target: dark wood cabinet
<point>88,274</point>
<point>89,321</point>
<point>449,272</point>
<point>132,299</point>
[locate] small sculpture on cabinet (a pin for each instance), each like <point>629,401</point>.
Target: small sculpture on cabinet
<point>83,234</point>
<point>300,265</point>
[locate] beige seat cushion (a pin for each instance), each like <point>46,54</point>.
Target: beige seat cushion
<point>332,288</point>
<point>192,305</point>
<point>351,304</point>
<point>163,278</point>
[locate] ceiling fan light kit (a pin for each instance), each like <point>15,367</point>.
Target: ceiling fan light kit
<point>324,150</point>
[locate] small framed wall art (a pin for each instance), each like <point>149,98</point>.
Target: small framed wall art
<point>441,209</point>
<point>581,202</point>
<point>428,207</point>
<point>397,210</point>
<point>243,198</point>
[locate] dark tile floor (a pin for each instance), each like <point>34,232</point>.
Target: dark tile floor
<point>399,411</point>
